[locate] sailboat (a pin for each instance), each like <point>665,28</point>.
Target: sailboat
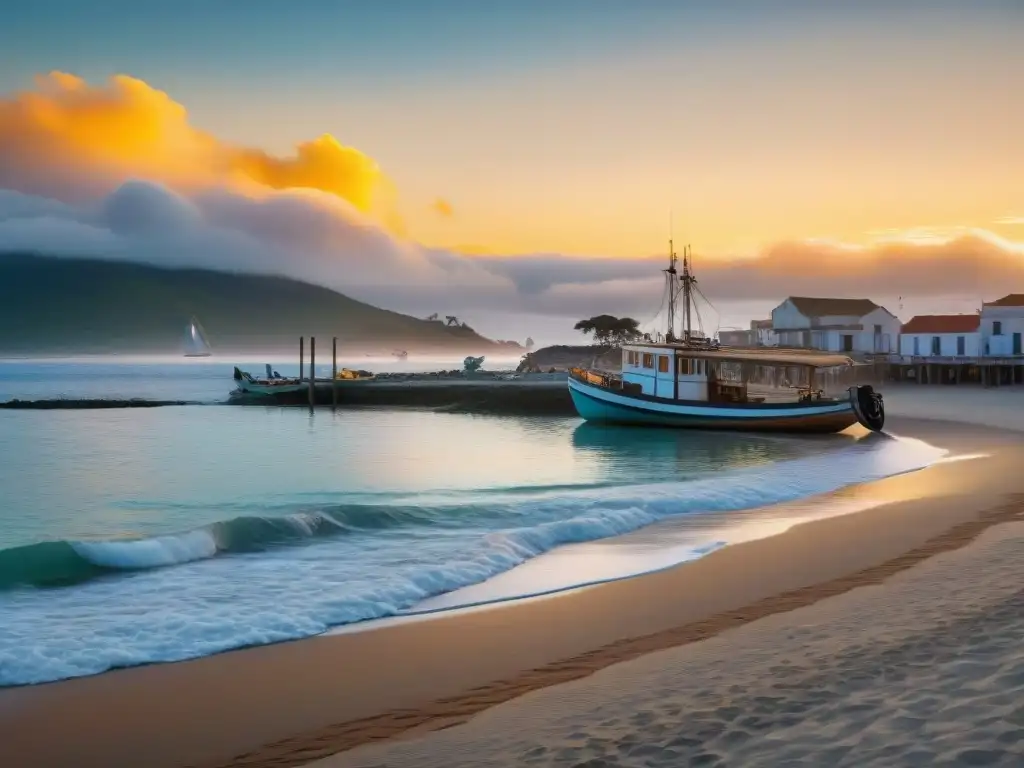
<point>196,344</point>
<point>691,381</point>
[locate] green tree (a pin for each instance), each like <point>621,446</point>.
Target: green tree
<point>609,330</point>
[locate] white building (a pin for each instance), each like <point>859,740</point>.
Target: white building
<point>763,333</point>
<point>1002,324</point>
<point>941,336</point>
<point>759,335</point>
<point>835,325</point>
<point>732,337</point>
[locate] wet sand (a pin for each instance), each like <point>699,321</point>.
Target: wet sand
<point>293,703</point>
<point>925,669</point>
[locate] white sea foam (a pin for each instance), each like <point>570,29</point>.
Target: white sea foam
<point>204,604</point>
<point>157,552</point>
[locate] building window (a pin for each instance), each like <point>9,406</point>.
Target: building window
<point>648,360</point>
<point>662,363</point>
<point>936,346</point>
<point>917,346</point>
<point>997,328</point>
<point>961,346</point>
<point>878,330</point>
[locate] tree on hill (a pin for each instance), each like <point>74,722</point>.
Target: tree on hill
<point>608,329</point>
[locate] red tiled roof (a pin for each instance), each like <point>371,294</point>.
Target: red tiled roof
<point>942,324</point>
<point>1010,300</point>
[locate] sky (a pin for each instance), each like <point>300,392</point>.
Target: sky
<point>529,156</point>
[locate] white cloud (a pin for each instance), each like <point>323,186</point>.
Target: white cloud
<point>320,238</point>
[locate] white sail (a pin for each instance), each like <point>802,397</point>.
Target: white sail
<point>196,344</point>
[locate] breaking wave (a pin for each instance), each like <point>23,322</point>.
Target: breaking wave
<point>250,580</point>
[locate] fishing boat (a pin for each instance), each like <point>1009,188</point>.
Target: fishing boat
<point>196,344</point>
<point>689,380</point>
<point>273,383</point>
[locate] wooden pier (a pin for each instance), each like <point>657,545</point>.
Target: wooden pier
<point>984,371</point>
<point>479,392</point>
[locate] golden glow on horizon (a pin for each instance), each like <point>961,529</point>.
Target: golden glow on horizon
<point>532,174</point>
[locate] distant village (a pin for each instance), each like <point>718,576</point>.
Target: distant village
<point>985,346</point>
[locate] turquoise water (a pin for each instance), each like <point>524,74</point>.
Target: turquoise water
<point>206,380</point>
<point>140,535</point>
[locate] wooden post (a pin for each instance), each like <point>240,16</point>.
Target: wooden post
<point>312,372</point>
<point>302,355</point>
<point>334,372</point>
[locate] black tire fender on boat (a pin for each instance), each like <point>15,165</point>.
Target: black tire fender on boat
<point>868,406</point>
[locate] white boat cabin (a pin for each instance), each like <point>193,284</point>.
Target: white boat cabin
<point>681,372</point>
<point>655,369</point>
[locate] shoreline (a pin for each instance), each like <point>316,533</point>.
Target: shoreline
<point>457,710</point>
<point>280,697</point>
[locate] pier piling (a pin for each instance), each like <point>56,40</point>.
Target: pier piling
<point>334,372</point>
<point>312,372</point>
<point>302,355</point>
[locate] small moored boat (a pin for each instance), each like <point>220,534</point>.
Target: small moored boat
<point>273,383</point>
<point>689,381</point>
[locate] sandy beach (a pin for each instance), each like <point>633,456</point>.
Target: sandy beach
<point>923,670</point>
<point>887,636</point>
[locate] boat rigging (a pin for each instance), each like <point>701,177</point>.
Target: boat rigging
<point>692,382</point>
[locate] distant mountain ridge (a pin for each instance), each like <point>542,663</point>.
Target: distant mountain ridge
<point>55,305</point>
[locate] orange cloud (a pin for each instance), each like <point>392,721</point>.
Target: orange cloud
<point>443,208</point>
<point>126,128</point>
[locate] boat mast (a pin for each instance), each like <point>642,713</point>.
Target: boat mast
<point>687,280</point>
<point>670,279</point>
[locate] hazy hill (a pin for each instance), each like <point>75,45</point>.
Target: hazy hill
<point>61,306</point>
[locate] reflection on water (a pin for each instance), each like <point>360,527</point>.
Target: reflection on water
<point>691,451</point>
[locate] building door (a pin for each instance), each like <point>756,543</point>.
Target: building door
<point>936,346</point>
<point>847,340</point>
<point>1016,343</point>
<point>961,343</point>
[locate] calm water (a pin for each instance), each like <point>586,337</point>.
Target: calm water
<point>132,536</point>
<point>192,380</point>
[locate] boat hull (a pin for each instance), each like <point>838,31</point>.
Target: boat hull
<point>598,404</point>
<point>286,389</point>
<point>253,388</point>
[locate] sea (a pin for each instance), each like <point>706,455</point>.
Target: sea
<point>143,535</point>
